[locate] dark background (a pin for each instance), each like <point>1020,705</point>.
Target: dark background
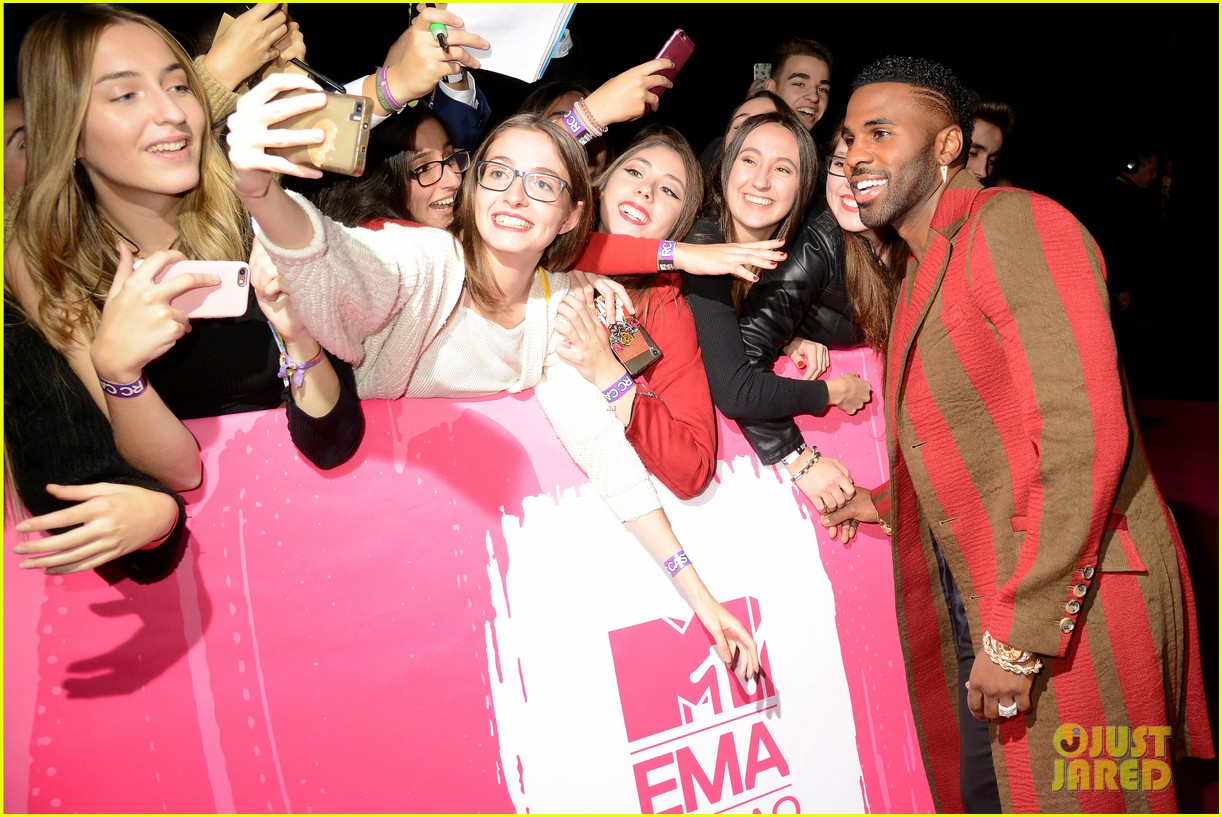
<point>1091,83</point>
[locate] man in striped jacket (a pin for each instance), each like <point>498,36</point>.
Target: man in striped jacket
<point>1041,585</point>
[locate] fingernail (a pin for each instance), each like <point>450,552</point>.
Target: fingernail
<point>784,255</point>
<point>23,527</point>
<point>756,277</point>
<point>801,365</point>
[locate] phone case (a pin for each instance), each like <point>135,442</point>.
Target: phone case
<point>762,70</point>
<point>228,300</point>
<point>345,119</point>
<point>677,49</point>
<point>632,345</point>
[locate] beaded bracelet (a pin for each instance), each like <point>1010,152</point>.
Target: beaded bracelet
<point>677,562</point>
<point>125,390</point>
<point>288,366</point>
<point>583,110</point>
<point>802,471</point>
<point>619,388</point>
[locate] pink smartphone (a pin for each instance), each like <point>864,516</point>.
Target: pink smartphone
<point>227,300</point>
<point>677,49</point>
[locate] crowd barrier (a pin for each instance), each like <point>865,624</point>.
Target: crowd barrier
<point>454,622</point>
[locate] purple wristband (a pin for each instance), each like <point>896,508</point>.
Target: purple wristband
<point>619,388</point>
<point>125,390</point>
<point>666,256</point>
<point>677,562</point>
<point>572,123</point>
<point>393,105</point>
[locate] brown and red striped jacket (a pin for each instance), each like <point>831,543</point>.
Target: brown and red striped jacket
<point>1013,443</point>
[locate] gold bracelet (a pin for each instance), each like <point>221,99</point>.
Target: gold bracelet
<point>1007,657</point>
<point>882,523</point>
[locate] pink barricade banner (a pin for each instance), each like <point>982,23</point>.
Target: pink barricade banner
<point>454,622</point>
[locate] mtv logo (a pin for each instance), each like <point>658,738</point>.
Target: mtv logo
<point>670,675</point>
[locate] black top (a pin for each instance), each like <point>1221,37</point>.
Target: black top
<point>229,365</point>
<point>55,432</point>
<point>804,296</point>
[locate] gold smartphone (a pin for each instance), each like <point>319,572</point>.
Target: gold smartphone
<point>345,120</point>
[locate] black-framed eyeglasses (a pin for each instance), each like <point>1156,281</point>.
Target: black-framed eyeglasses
<point>545,187</point>
<point>430,172</point>
<point>835,166</point>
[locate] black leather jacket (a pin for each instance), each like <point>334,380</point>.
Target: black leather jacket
<point>805,296</point>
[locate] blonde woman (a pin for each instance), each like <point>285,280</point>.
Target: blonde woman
<point>124,176</point>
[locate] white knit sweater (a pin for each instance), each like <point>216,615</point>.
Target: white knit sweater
<point>386,300</point>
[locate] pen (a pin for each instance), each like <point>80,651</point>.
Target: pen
<point>323,79</point>
<point>438,30</point>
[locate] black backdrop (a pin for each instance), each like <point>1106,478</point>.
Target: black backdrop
<point>1088,81</point>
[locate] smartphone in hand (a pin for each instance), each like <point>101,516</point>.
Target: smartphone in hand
<point>227,300</point>
<point>345,120</point>
<point>629,341</point>
<point>677,49</point>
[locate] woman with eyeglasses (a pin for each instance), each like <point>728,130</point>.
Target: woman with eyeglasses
<point>468,311</point>
<point>412,173</point>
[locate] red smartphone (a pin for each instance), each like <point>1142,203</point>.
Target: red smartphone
<point>677,49</point>
<point>227,300</point>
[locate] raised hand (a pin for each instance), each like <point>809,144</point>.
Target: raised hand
<point>416,62</point>
<point>251,40</point>
<point>251,132</point>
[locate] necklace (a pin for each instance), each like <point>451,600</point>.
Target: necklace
<point>132,245</point>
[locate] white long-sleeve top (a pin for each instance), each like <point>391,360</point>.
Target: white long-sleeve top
<point>390,303</point>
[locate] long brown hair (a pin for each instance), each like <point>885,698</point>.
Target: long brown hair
<point>564,249</point>
<point>640,286</point>
<point>808,173</point>
<point>67,247</point>
<point>872,281</point>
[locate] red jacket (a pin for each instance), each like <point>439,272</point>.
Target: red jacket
<point>1013,442</point>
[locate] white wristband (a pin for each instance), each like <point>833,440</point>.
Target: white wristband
<point>792,456</point>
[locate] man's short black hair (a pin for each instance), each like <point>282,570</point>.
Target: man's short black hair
<point>996,112</point>
<point>800,47</point>
<point>944,92</point>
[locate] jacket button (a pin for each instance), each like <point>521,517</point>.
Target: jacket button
<point>1088,571</point>
<point>1073,607</point>
<point>1067,625</point>
<point>1080,591</point>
